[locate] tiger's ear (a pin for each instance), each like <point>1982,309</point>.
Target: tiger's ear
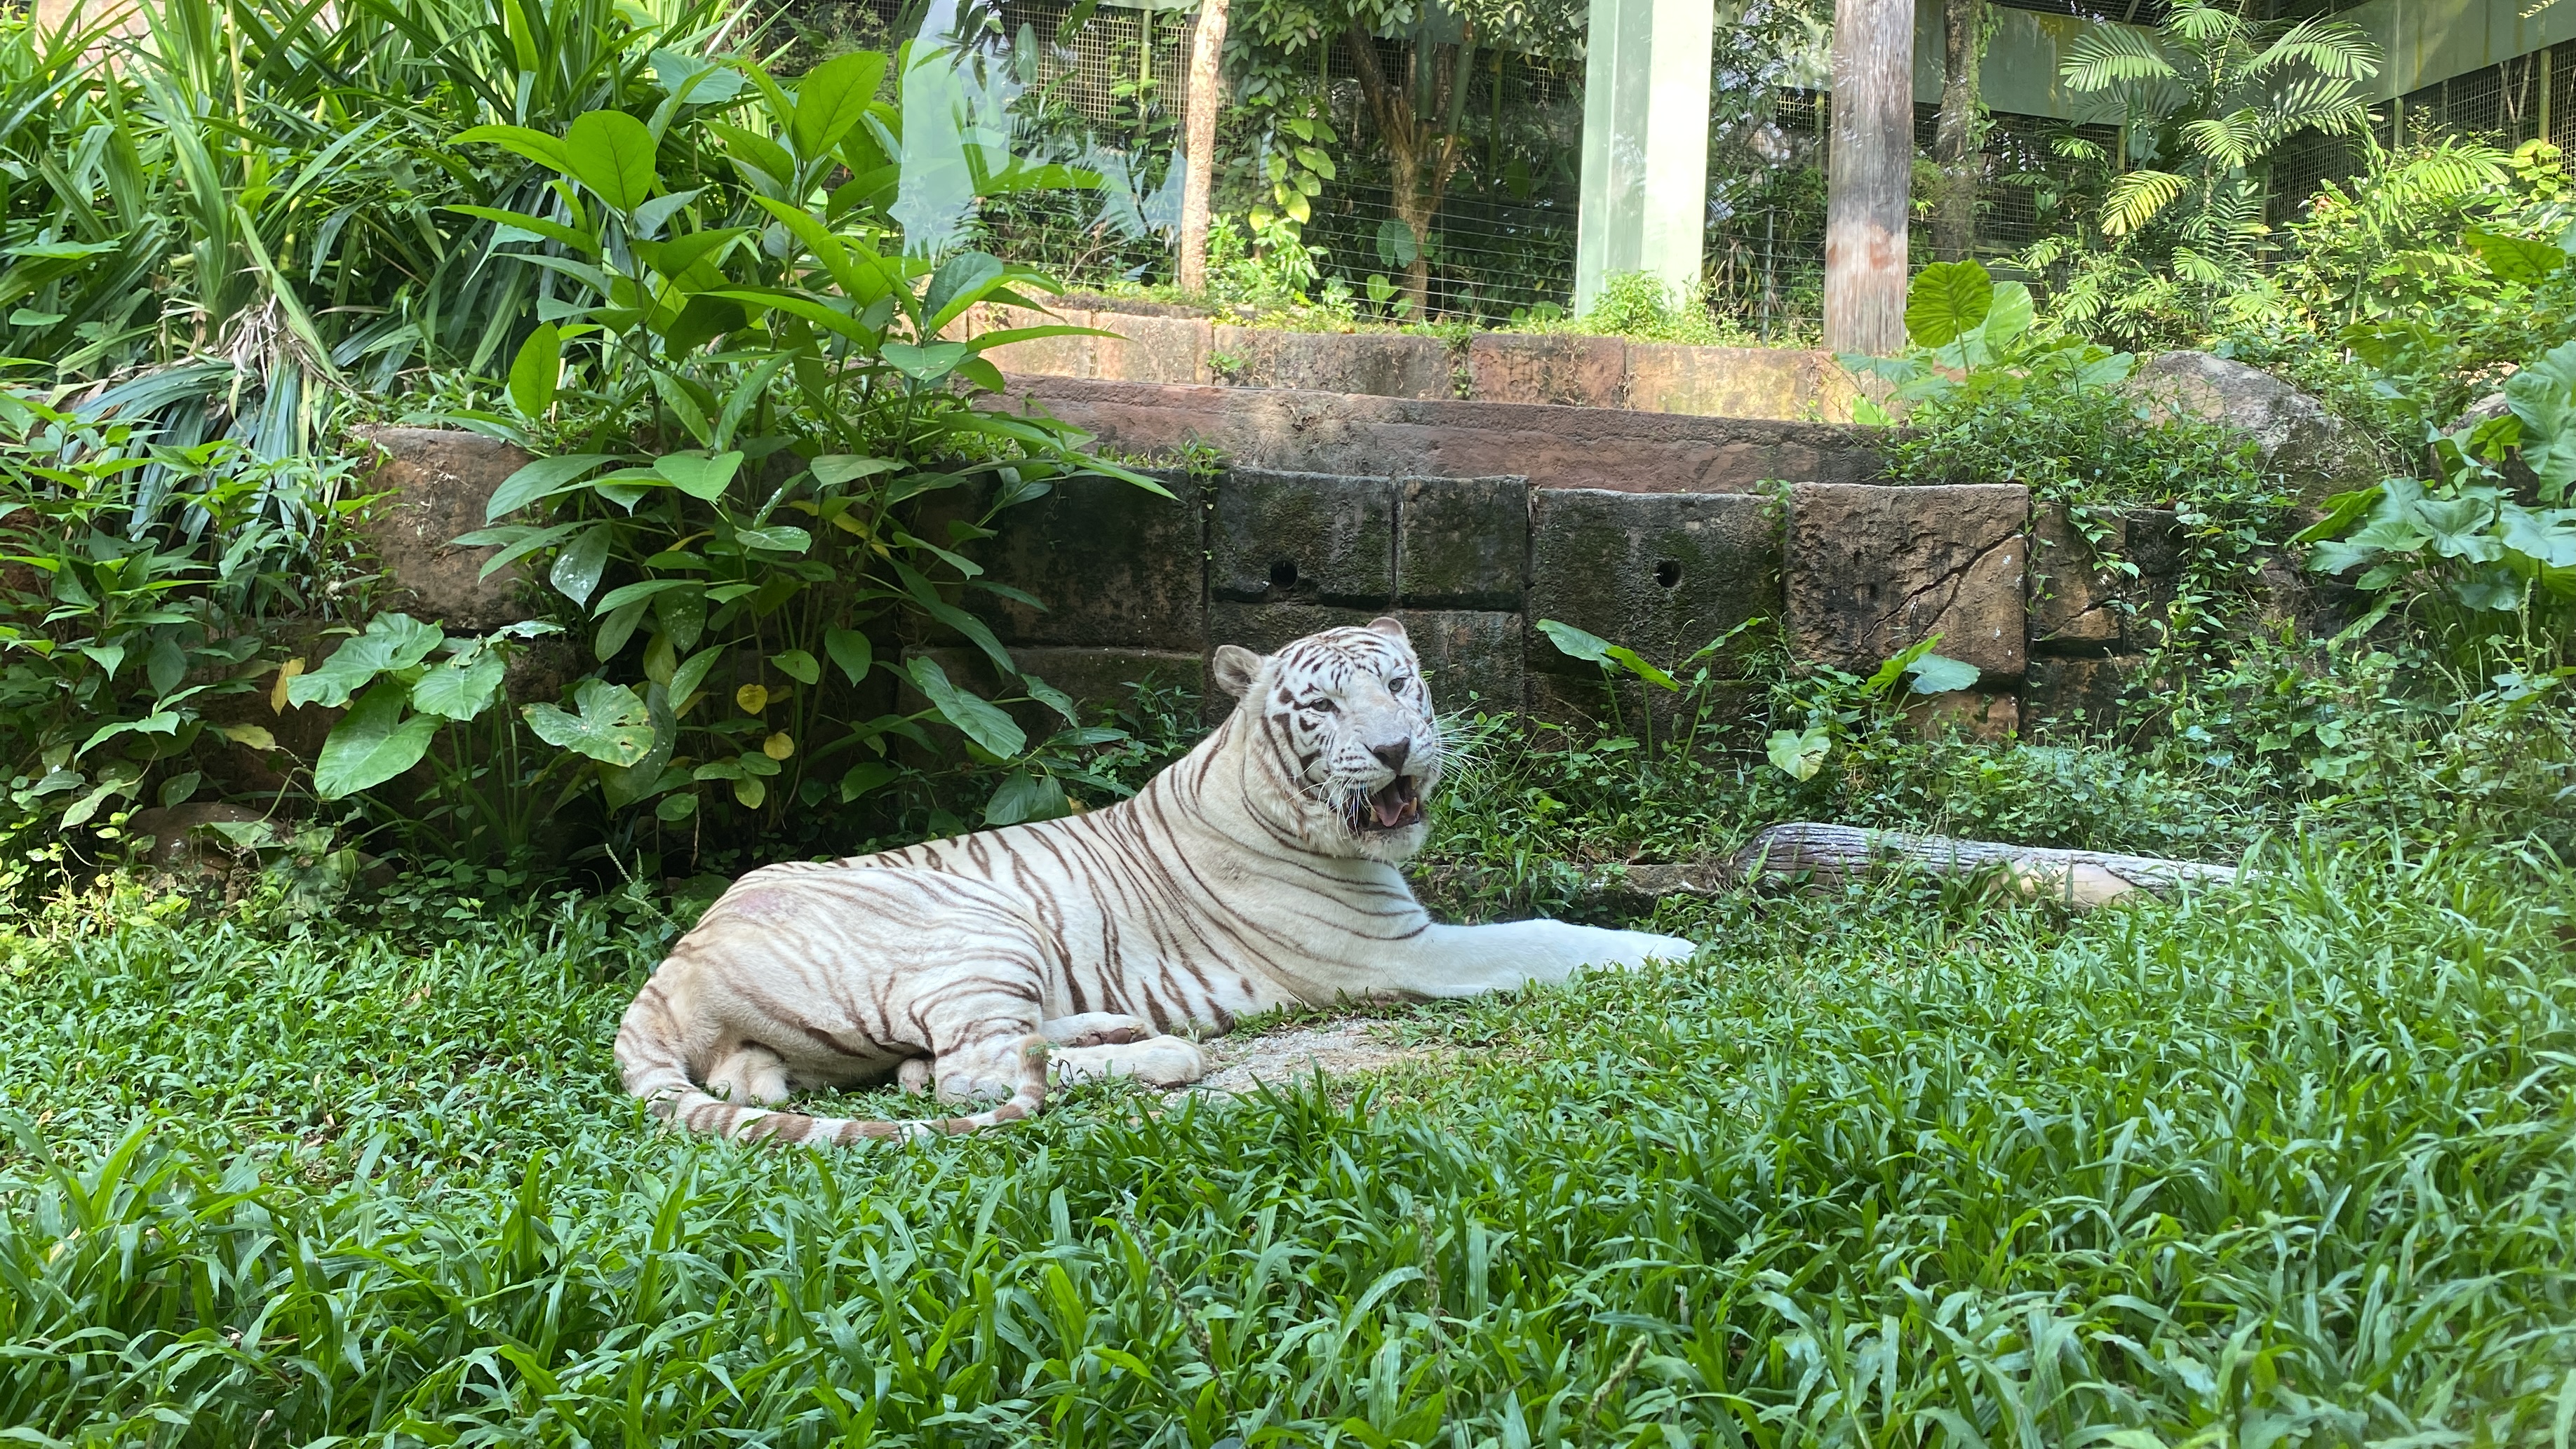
<point>1236,669</point>
<point>1391,627</point>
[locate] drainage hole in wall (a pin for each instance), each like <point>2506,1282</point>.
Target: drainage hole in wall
<point>1283,574</point>
<point>1668,573</point>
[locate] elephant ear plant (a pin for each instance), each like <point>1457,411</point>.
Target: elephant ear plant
<point>763,461</point>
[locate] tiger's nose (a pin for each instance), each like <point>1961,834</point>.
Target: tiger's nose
<point>1393,755</point>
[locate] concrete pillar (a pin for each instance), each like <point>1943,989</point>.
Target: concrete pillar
<point>1645,144</point>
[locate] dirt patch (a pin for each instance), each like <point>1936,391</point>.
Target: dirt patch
<point>1240,1064</point>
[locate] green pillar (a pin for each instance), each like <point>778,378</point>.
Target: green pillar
<point>1645,144</point>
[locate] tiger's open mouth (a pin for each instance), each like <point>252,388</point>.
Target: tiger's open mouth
<point>1398,805</point>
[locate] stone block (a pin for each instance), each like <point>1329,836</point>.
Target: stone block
<point>1791,384</point>
<point>1554,447</point>
<point>1042,356</point>
<point>1096,678</point>
<point>1150,349</point>
<point>440,480</point>
<point>1462,543</point>
<point>1471,658</point>
<point>2077,603</point>
<point>1587,372</point>
<point>1372,364</point>
<point>1873,570</point>
<point>1114,565</point>
<point>1663,573</point>
<point>2079,692</point>
<point>1304,538</point>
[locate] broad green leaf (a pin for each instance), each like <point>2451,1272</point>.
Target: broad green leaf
<point>462,687</point>
<point>611,153</point>
<point>866,776</point>
<point>834,469</point>
<point>2515,259</point>
<point>1574,643</point>
<point>2547,538</point>
<point>2543,396</point>
<point>537,369</point>
<point>1052,697</point>
<point>639,591</point>
<point>699,474</point>
<point>977,718</point>
<point>391,642</point>
<point>692,673</point>
<point>1940,674</point>
<point>2459,528</point>
<point>541,479</point>
<point>547,151</point>
<point>2008,316</point>
<point>577,569</point>
<point>956,284</point>
<point>2342,511</point>
<point>778,537</point>
<point>1635,663</point>
<point>614,727</point>
<point>924,363</point>
<point>1799,754</point>
<point>1947,300</point>
<point>850,650</point>
<point>374,743</point>
<point>798,665</point>
<point>831,98</point>
<point>1025,797</point>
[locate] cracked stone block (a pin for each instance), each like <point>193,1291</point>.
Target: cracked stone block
<point>1873,570</point>
<point>1462,542</point>
<point>1041,356</point>
<point>2075,598</point>
<point>440,480</point>
<point>1586,372</point>
<point>1150,349</point>
<point>1374,364</point>
<point>1663,573</point>
<point>1113,564</point>
<point>1303,538</point>
<point>2078,691</point>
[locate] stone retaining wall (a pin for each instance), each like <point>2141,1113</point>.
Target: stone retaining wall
<point>1169,345</point>
<point>1136,584</point>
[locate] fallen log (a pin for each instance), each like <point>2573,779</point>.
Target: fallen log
<point>1832,854</point>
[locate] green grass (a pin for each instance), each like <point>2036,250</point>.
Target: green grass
<point>2292,1165</point>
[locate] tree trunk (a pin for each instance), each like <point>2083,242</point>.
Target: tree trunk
<point>1954,219</point>
<point>1198,159</point>
<point>1868,177</point>
<point>1422,125</point>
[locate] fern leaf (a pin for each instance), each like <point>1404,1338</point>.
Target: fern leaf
<point>2135,198</point>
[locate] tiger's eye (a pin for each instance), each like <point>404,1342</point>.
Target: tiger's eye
<point>1324,706</point>
<point>1397,684</point>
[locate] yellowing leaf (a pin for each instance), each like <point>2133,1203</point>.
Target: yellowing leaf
<point>285,676</point>
<point>778,746</point>
<point>752,698</point>
<point>255,736</point>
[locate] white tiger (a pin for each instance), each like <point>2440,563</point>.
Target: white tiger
<point>1261,870</point>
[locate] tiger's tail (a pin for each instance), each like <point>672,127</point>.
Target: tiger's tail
<point>653,1069</point>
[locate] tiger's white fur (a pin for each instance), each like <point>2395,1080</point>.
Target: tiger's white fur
<point>1259,871</point>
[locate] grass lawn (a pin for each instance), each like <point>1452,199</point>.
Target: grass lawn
<point>2293,1164</point>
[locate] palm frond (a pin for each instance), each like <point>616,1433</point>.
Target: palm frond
<point>2325,45</point>
<point>2234,139</point>
<point>2135,198</point>
<point>2110,56</point>
<point>2204,28</point>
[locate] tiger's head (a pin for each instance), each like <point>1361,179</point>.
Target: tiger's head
<point>1340,726</point>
